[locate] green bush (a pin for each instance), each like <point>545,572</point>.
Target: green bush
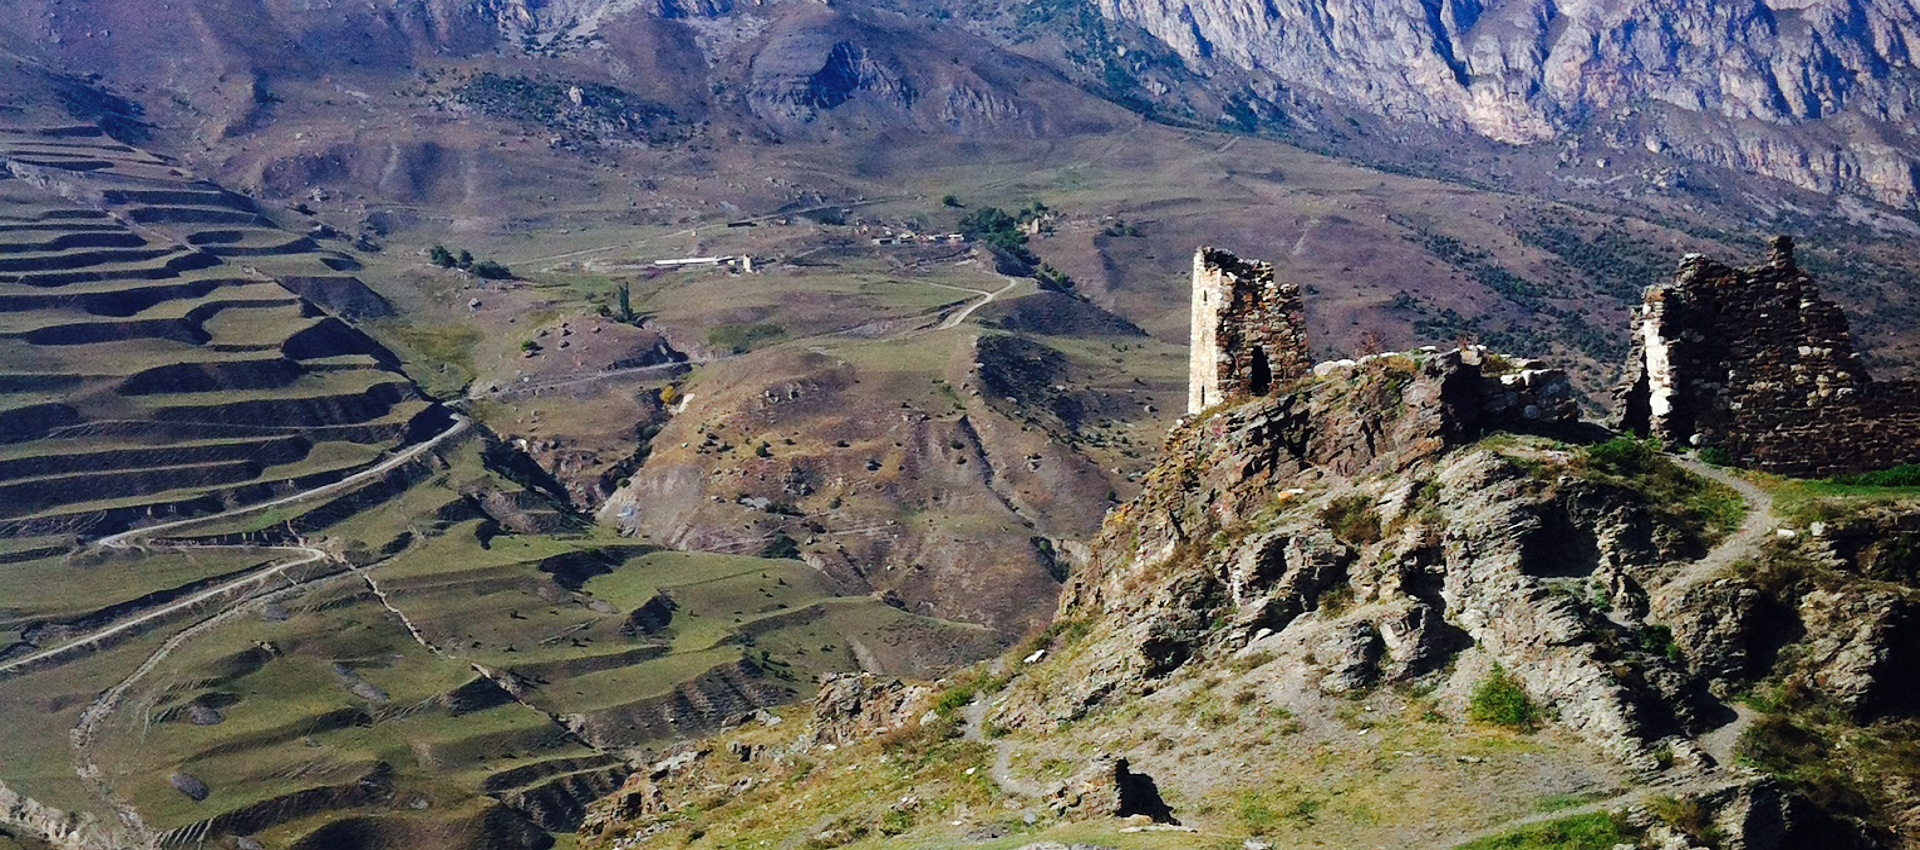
<point>1500,700</point>
<point>1659,641</point>
<point>1622,456</point>
<point>739,339</point>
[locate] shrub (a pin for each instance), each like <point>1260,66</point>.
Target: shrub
<point>1500,700</point>
<point>440,256</point>
<point>491,270</point>
<point>1659,641</point>
<point>1352,519</point>
<point>1621,456</point>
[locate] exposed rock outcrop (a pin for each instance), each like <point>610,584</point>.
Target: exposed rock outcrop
<point>857,706</point>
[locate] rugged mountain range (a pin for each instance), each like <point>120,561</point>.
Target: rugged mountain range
<point>1819,94</point>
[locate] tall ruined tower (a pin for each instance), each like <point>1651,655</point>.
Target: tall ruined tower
<point>1249,331</point>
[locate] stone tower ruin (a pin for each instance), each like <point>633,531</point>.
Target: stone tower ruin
<point>1755,364</point>
<point>1249,331</point>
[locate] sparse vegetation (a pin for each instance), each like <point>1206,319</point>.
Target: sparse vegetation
<point>739,339</point>
<point>1706,509</point>
<point>586,112</point>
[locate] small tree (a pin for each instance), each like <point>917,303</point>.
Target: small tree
<point>440,256</point>
<point>951,201</point>
<point>466,260</point>
<point>626,303</point>
<point>491,270</point>
<point>1053,279</point>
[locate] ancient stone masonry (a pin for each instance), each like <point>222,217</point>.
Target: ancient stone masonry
<point>1249,331</point>
<point>1754,363</point>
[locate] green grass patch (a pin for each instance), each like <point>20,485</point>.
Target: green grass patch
<point>442,355</point>
<point>1700,507</point>
<point>740,339</point>
<point>1599,831</point>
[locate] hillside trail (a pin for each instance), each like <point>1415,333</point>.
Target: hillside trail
<point>1746,541</point>
<point>1630,797</point>
<point>986,298</point>
<point>975,716</point>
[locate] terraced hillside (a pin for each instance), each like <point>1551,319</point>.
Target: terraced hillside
<point>167,349</point>
<point>258,587</point>
<point>383,666</point>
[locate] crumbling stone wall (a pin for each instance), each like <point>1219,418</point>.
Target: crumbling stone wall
<point>1249,331</point>
<point>1755,363</point>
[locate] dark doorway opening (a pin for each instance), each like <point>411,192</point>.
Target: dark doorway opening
<point>1262,377</point>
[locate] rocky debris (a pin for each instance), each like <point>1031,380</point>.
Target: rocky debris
<point>62,829</point>
<point>1109,788</point>
<point>643,796</point>
<point>191,786</point>
<point>201,714</point>
<point>1755,364</point>
<point>852,707</point>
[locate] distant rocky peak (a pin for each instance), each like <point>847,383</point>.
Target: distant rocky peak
<point>1733,83</point>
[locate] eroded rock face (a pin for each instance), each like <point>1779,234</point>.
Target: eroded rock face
<point>1762,87</point>
<point>857,706</point>
<point>1336,524</point>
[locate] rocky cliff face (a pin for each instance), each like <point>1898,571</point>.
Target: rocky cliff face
<point>1815,92</point>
